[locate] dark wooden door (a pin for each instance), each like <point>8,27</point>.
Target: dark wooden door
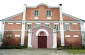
<point>42,42</point>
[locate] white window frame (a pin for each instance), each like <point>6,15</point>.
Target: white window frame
<point>34,13</point>
<point>47,24</point>
<point>50,11</point>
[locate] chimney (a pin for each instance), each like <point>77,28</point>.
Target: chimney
<point>60,4</point>
<point>24,12</point>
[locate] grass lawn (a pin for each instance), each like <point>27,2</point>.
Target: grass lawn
<point>76,51</point>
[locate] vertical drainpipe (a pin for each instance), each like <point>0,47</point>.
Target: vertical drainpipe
<point>61,26</point>
<point>23,26</point>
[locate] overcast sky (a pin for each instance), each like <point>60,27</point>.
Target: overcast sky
<point>12,7</point>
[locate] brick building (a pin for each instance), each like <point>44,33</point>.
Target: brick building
<point>43,27</point>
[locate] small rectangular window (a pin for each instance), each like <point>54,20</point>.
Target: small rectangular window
<point>67,27</point>
<point>29,26</point>
<point>36,13</point>
<point>47,25</point>
<point>48,13</point>
<point>56,26</point>
<point>37,25</point>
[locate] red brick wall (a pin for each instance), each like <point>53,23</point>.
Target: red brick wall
<point>75,26</point>
<point>42,13</point>
<point>67,18</point>
<point>13,40</point>
<point>75,41</point>
<point>13,26</point>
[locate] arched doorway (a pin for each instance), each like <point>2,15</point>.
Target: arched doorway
<point>42,40</point>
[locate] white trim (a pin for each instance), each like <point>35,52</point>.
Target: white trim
<point>66,23</point>
<point>56,23</point>
<point>43,21</point>
<point>29,23</point>
<point>42,4</point>
<point>2,30</point>
<point>29,39</point>
<point>12,30</point>
<point>6,19</point>
<point>54,40</point>
<point>35,17</point>
<point>73,30</point>
<point>10,23</point>
<point>72,16</point>
<point>47,34</point>
<point>17,35</point>
<point>38,23</point>
<point>75,35</point>
<point>22,34</point>
<point>18,23</point>
<point>67,35</point>
<point>61,27</point>
<point>47,23</point>
<point>74,23</point>
<point>49,18</point>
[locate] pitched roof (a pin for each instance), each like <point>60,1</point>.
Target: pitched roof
<point>5,19</point>
<point>78,19</point>
<point>73,17</point>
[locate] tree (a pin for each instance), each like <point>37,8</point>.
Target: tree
<point>7,36</point>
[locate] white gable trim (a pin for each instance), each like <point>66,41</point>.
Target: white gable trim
<point>72,16</point>
<point>12,16</point>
